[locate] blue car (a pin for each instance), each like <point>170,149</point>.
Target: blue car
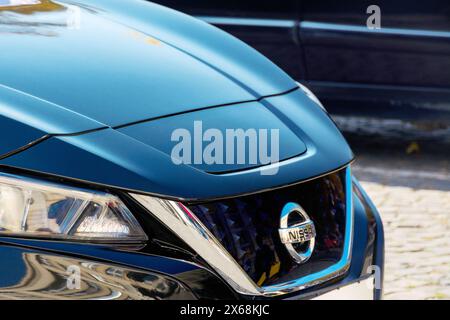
<point>148,155</point>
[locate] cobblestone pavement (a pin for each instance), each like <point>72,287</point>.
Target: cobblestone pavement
<point>415,209</point>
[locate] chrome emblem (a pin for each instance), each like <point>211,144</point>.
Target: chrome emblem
<point>301,231</point>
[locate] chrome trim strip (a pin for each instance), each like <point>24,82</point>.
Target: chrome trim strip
<point>190,229</point>
<point>250,22</point>
<point>325,26</point>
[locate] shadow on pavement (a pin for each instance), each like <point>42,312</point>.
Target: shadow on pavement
<point>416,163</point>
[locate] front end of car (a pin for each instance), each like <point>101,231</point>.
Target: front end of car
<point>144,246</point>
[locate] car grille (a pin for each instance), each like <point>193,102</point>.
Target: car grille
<point>247,227</point>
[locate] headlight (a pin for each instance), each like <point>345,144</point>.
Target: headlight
<point>311,95</point>
<point>34,208</point>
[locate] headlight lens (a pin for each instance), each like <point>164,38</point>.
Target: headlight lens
<point>34,208</point>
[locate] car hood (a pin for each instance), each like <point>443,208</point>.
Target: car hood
<point>117,62</point>
<point>91,90</point>
<point>138,157</point>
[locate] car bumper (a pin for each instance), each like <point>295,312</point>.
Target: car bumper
<point>111,273</point>
<point>363,289</point>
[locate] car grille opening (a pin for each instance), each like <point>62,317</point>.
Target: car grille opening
<point>247,227</point>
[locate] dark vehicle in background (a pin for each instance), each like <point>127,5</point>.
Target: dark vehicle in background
<point>400,71</point>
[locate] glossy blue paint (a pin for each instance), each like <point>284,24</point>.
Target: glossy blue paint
<point>14,135</point>
<point>77,87</point>
<point>130,258</point>
<point>376,229</point>
<point>12,268</point>
<point>110,157</point>
<point>252,116</point>
<point>42,115</point>
<point>129,60</point>
<point>28,266</point>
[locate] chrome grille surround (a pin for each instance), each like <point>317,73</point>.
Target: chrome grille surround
<point>183,222</point>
